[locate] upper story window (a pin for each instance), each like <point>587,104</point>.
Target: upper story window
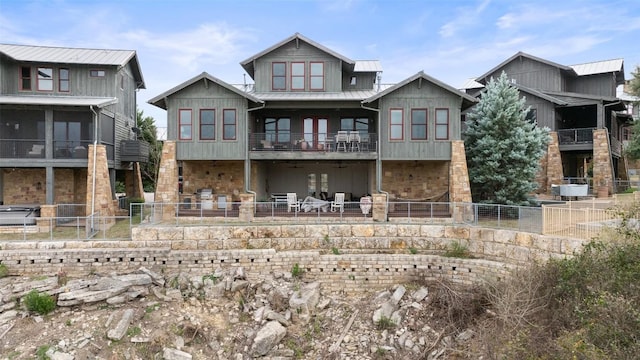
<point>418,124</point>
<point>207,124</point>
<point>184,124</point>
<point>279,76</point>
<point>277,130</point>
<point>442,124</point>
<point>63,80</point>
<point>25,78</point>
<point>97,73</point>
<point>359,124</point>
<point>229,124</point>
<point>396,124</point>
<point>45,79</point>
<point>353,80</point>
<point>297,76</point>
<point>316,73</point>
<point>532,116</point>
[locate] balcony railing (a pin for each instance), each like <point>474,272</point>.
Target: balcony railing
<point>134,150</point>
<point>326,142</point>
<point>575,136</point>
<point>36,149</point>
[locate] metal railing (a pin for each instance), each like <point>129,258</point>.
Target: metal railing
<point>575,136</point>
<point>22,148</point>
<point>318,142</point>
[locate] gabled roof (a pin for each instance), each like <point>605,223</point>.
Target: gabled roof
<point>483,78</point>
<point>467,100</point>
<point>599,67</point>
<point>57,100</point>
<point>61,55</point>
<point>367,66</point>
<point>159,100</point>
<point>540,94</point>
<point>248,63</point>
<point>471,84</point>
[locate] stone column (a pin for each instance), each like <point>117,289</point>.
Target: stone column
<point>379,208</point>
<point>167,182</point>
<point>247,202</point>
<point>103,202</point>
<point>554,173</point>
<point>459,184</point>
<point>602,165</point>
<point>133,182</point>
<point>47,222</point>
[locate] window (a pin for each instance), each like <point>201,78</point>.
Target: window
<point>277,130</point>
<point>63,80</point>
<point>279,76</point>
<point>207,124</point>
<point>532,116</point>
<point>97,73</point>
<point>45,79</point>
<point>418,124</point>
<point>316,76</point>
<point>229,124</point>
<point>184,124</point>
<point>442,124</point>
<point>350,124</point>
<point>396,124</point>
<point>25,78</point>
<point>297,76</point>
<point>353,80</point>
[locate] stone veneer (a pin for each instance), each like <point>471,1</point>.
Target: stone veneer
<point>374,256</point>
<point>459,185</point>
<point>103,202</point>
<point>602,166</point>
<point>415,179</point>
<point>552,173</point>
<point>167,182</point>
<point>223,177</point>
<point>28,186</point>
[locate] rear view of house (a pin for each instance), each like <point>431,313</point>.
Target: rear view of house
<point>66,119</point>
<point>315,123</point>
<point>579,105</point>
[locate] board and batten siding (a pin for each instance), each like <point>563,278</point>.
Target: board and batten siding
<point>409,97</point>
<point>533,74</point>
<point>212,96</point>
<point>288,54</point>
<point>597,84</point>
<point>545,111</point>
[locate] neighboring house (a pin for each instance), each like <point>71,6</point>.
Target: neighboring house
<point>578,104</point>
<point>55,103</point>
<point>315,123</point>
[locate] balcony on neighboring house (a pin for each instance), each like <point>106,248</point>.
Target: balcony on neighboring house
<point>134,151</point>
<point>22,148</point>
<point>582,139</point>
<point>347,141</point>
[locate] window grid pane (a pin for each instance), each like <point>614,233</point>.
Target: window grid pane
<point>207,124</point>
<point>279,76</point>
<point>317,76</point>
<point>184,124</point>
<point>25,75</point>
<point>419,124</point>
<point>63,80</point>
<point>442,124</point>
<point>229,124</point>
<point>45,79</point>
<point>396,125</point>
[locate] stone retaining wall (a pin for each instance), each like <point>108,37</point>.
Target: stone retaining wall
<point>372,256</point>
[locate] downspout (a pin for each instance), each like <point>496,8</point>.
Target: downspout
<point>379,150</point>
<point>95,150</point>
<point>247,164</point>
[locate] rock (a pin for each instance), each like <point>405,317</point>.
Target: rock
<point>302,302</point>
<point>239,274</point>
<point>174,294</point>
<point>267,338</point>
<point>465,335</point>
<point>134,279</point>
<point>239,285</point>
<point>386,310</point>
<point>7,316</point>
<point>89,296</point>
<point>175,354</point>
<point>324,303</point>
<point>52,354</point>
<point>156,278</point>
<point>420,294</point>
<point>272,315</point>
<point>397,295</point>
<point>117,332</point>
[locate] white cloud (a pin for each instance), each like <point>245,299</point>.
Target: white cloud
<point>465,17</point>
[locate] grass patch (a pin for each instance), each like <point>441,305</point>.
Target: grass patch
<point>335,251</point>
<point>297,271</point>
<point>40,303</point>
<point>4,271</point>
<point>457,250</point>
<point>134,331</point>
<point>385,323</point>
<point>41,352</point>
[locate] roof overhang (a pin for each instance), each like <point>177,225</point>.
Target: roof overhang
<point>57,100</point>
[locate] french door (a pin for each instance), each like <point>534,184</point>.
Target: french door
<point>315,131</point>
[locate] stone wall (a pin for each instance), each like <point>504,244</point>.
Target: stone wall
<point>103,202</point>
<point>602,166</point>
<point>553,173</point>
<point>415,179</point>
<point>223,177</point>
<point>28,186</point>
<point>167,182</point>
<point>459,185</point>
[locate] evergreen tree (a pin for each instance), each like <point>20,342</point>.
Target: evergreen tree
<point>148,133</point>
<point>633,147</point>
<point>503,147</point>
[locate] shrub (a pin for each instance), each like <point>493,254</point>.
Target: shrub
<point>457,250</point>
<point>4,271</point>
<point>40,303</point>
<point>296,271</point>
<point>385,323</point>
<point>136,209</point>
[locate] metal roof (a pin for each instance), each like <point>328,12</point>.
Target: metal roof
<point>57,100</point>
<point>625,96</point>
<point>357,95</point>
<point>599,67</point>
<point>159,100</point>
<point>367,66</point>
<point>61,55</point>
<point>471,84</point>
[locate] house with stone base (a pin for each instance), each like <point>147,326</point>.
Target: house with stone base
<point>578,103</point>
<point>314,122</point>
<point>67,121</point>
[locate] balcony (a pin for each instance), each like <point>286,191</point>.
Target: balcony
<point>134,151</point>
<point>313,146</point>
<point>582,139</point>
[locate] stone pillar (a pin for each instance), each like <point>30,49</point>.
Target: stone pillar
<point>602,165</point>
<point>379,208</point>
<point>459,184</point>
<point>247,207</point>
<point>47,221</point>
<point>554,173</point>
<point>167,182</point>
<point>133,182</point>
<point>103,202</point>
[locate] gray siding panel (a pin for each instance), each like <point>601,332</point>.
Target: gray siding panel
<point>409,97</point>
<point>599,84</point>
<point>533,74</point>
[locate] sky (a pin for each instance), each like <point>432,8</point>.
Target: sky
<point>450,40</point>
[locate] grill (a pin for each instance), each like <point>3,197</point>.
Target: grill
<point>205,198</point>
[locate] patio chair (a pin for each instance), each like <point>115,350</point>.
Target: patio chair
<point>338,202</point>
<point>292,202</point>
<point>354,140</point>
<point>342,138</point>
